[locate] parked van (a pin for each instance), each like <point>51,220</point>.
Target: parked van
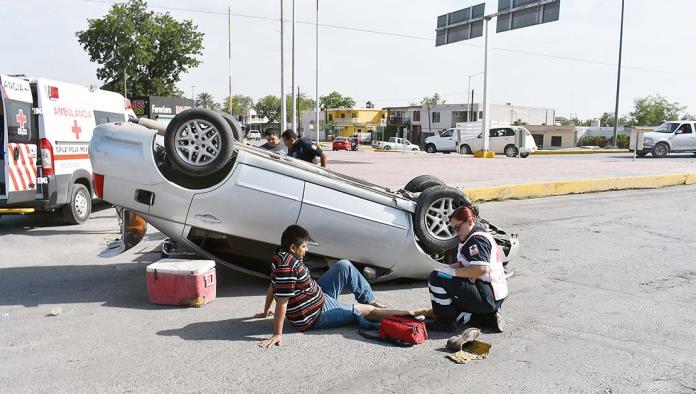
<point>45,130</point>
<point>502,140</point>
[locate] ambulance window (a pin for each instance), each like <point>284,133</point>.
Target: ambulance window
<point>2,127</point>
<point>101,117</point>
<point>19,122</point>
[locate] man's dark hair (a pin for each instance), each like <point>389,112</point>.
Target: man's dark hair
<point>272,131</point>
<point>293,235</point>
<point>289,134</point>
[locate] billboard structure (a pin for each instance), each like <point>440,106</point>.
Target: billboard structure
<point>472,22</point>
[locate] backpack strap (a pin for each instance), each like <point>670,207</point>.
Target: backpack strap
<point>375,337</point>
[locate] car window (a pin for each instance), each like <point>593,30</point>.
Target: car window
<point>493,133</point>
<point>509,132</point>
<point>446,133</point>
<point>686,128</point>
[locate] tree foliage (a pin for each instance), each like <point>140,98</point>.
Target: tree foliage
<point>153,49</point>
<point>206,100</point>
<point>652,110</point>
<point>241,104</point>
<point>335,100</point>
<point>304,103</point>
<point>268,107</point>
<point>435,99</point>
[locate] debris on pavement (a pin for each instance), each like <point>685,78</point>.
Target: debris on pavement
<point>474,350</point>
<point>56,311</point>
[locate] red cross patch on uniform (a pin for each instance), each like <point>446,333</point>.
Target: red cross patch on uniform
<point>473,250</point>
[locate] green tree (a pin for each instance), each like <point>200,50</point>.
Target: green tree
<point>519,122</point>
<point>268,107</point>
<point>688,116</point>
<point>435,99</point>
<point>304,103</point>
<point>652,110</point>
<point>152,49</point>
<point>335,100</point>
<point>607,120</point>
<point>206,100</point>
<point>241,104</point>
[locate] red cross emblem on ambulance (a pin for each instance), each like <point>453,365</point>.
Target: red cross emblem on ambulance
<point>21,118</point>
<point>76,129</point>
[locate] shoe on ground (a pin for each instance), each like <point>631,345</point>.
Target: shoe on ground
<point>455,343</point>
<point>441,326</point>
<point>378,304</point>
<point>498,322</point>
<point>509,273</point>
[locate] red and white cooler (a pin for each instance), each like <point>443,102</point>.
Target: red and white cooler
<point>181,282</point>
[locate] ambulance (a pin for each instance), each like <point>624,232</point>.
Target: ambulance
<point>45,129</point>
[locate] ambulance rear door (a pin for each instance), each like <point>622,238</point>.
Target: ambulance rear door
<point>20,137</point>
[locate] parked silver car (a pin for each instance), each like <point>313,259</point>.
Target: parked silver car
<point>231,202</point>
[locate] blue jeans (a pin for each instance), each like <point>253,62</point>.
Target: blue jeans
<point>335,313</point>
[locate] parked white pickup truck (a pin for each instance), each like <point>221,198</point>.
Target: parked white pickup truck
<point>446,141</point>
<point>396,143</point>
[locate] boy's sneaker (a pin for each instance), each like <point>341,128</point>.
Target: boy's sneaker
<point>498,322</point>
<point>378,304</point>
<point>441,326</point>
<point>455,343</point>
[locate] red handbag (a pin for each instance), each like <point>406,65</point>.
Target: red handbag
<point>400,331</point>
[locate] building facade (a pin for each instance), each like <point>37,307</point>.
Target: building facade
<point>346,122</point>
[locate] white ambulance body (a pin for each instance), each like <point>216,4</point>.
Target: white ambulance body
<point>45,129</point>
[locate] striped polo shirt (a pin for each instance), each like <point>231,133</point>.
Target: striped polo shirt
<point>290,278</point>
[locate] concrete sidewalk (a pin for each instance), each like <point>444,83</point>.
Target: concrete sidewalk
<point>503,178</point>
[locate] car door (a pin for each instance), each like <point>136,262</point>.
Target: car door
<point>343,225</point>
<point>494,140</point>
<point>446,141</point>
<point>20,138</point>
<point>254,204</point>
<point>684,138</point>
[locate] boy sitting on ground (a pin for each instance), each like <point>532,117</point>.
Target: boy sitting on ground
<point>315,304</point>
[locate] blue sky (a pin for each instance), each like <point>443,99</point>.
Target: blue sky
<point>39,40</point>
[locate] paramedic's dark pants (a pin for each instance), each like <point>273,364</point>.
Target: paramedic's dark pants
<point>451,296</point>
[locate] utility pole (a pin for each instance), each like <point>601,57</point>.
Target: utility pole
<point>618,79</point>
<point>296,110</point>
<point>486,139</point>
<point>316,84</point>
<point>125,88</point>
<point>283,99</point>
<point>229,59</point>
<point>294,100</point>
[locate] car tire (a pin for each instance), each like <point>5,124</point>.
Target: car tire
<point>524,155</point>
<point>234,125</point>
<point>79,208</point>
<point>387,147</point>
<point>511,151</point>
<point>465,149</point>
<point>431,219</point>
<point>660,150</point>
<point>643,153</point>
<point>430,148</point>
<point>215,128</point>
<point>414,150</point>
<point>422,182</point>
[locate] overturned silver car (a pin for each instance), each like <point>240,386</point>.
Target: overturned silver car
<point>230,202</point>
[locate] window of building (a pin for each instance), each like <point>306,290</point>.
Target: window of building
<point>416,116</point>
<point>330,117</point>
<point>459,116</point>
<point>480,114</point>
<point>436,117</point>
<point>538,140</point>
<point>343,115</point>
<point>557,141</point>
<point>353,115</point>
<point>383,115</point>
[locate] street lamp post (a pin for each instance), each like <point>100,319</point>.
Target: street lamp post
<point>294,99</point>
<point>618,79</point>
<point>316,85</point>
<point>283,99</point>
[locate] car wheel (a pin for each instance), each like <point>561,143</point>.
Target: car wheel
<point>234,125</point>
<point>199,142</point>
<point>387,147</point>
<point>414,150</point>
<point>431,219</point>
<point>524,155</point>
<point>79,208</point>
<point>465,149</point>
<point>660,150</point>
<point>511,151</point>
<point>430,148</point>
<point>643,153</point>
<point>422,182</point>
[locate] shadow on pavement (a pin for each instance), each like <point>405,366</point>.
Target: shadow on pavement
<point>672,156</point>
<point>120,285</point>
<point>17,224</point>
<point>240,329</point>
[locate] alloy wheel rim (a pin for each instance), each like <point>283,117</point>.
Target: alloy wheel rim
<point>198,142</point>
<point>80,205</point>
<point>510,152</point>
<point>437,219</point>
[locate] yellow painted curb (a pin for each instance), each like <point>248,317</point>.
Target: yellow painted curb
<point>560,188</point>
<point>484,155</point>
<point>16,211</point>
<point>579,152</point>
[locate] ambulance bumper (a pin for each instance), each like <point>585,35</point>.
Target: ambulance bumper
<point>49,196</point>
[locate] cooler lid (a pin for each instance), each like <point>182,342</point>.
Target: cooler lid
<point>181,266</point>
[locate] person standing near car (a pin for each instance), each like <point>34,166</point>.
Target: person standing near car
<point>303,148</point>
<point>273,141</point>
<point>473,289</point>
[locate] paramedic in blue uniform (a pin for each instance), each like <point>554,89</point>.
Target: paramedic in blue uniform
<point>303,148</point>
<point>472,289</point>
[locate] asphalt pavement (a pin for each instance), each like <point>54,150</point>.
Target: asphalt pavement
<point>602,301</point>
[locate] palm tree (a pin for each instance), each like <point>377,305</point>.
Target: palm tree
<point>206,100</point>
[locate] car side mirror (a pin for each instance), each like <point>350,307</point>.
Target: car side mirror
<point>678,132</point>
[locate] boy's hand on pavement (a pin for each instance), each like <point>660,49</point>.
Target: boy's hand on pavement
<point>274,340</point>
<point>264,314</point>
